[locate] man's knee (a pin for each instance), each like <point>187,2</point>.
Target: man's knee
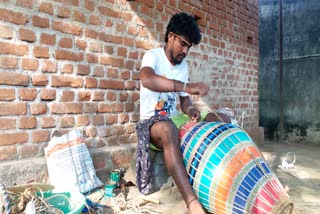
<point>163,132</point>
<point>164,128</point>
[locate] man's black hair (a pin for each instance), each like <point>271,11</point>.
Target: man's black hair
<point>184,25</point>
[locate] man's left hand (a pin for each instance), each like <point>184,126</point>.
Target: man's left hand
<point>193,113</point>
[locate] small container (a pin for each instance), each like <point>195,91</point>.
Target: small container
<point>115,176</point>
<point>109,187</point>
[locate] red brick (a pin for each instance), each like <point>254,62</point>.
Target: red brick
<point>69,2</point>
<point>133,30</point>
<point>98,71</point>
<point>7,94</point>
<point>98,120</point>
<point>25,3</point>
<point>46,7</point>
<point>91,33</point>
<point>111,84</point>
<point>110,108</point>
<point>120,27</point>
<point>109,60</point>
<point>126,16</point>
<point>66,81</point>
<point>13,48</point>
<point>83,69</point>
<point>124,96</point>
<point>129,64</point>
<point>42,22</point>
<point>6,32</point>
<point>11,78</point>
<point>40,136</point>
<point>67,28</point>
<point>89,5</point>
<point>134,118</point>
<point>27,35</point>
<point>78,16</point>
<point>8,62</point>
<point>108,49</point>
<point>129,107</point>
<point>92,58</point>
<point>39,80</point>
<point>66,122</point>
<point>63,12</point>
<point>112,73</point>
<point>30,64</point>
<point>7,123</point>
<point>27,123</point>
<point>91,83</point>
<point>110,38</point>
<point>67,96</point>
<point>90,132</point>
<point>68,55</point>
<point>65,43</point>
<point>27,93</point>
<point>47,94</point>
<point>108,12</point>
<point>81,44</point>
<point>90,107</point>
<point>111,96</point>
<point>28,151</point>
<point>125,75</point>
<point>122,51</point>
<point>96,47</point>
<point>13,17</point>
<point>48,39</point>
<point>49,66</point>
<point>135,97</point>
<point>41,52</point>
<point>144,45</point>
<point>123,118</point>
<point>67,68</point>
<point>66,108</point>
<point>38,108</point>
<point>130,85</point>
<point>48,122</point>
<point>13,138</point>
<point>98,96</point>
<point>8,152</point>
<point>123,157</point>
<point>94,20</point>
<point>82,121</point>
<point>84,96</point>
<point>111,119</point>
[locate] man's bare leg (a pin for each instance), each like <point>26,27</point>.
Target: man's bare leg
<point>164,135</point>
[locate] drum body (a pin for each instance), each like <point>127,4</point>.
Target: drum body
<point>227,171</point>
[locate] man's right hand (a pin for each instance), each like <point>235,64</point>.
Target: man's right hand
<point>197,88</point>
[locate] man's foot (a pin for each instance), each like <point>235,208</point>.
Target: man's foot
<point>195,207</point>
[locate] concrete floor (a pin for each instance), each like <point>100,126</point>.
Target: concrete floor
<point>303,181</point>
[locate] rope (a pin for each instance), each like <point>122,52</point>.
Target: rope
<point>285,164</point>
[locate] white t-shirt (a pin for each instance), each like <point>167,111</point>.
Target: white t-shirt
<point>163,103</point>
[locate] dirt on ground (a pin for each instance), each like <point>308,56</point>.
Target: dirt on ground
<point>301,176</point>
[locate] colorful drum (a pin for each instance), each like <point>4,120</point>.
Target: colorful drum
<point>227,171</point>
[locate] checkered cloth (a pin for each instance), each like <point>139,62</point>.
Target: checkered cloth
<point>143,163</point>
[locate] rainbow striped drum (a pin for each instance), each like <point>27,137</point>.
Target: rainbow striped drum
<point>227,171</point>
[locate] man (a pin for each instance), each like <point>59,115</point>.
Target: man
<point>164,75</point>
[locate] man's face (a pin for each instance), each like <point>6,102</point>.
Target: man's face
<point>179,48</point>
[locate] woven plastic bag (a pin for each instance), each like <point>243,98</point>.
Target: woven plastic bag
<point>69,163</point>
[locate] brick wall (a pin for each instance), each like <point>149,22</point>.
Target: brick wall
<point>75,64</point>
